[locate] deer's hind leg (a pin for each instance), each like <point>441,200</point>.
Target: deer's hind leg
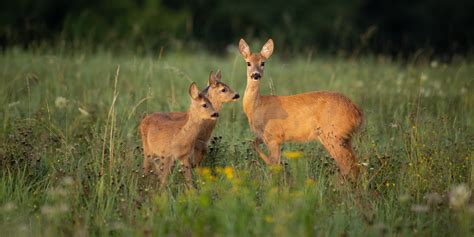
<point>147,162</point>
<point>147,153</point>
<point>163,166</point>
<point>341,151</point>
<point>262,155</point>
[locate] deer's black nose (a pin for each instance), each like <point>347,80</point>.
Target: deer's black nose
<point>215,115</point>
<point>236,96</point>
<point>256,76</point>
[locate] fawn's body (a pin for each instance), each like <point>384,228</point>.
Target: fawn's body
<point>329,117</point>
<point>166,139</point>
<point>217,93</point>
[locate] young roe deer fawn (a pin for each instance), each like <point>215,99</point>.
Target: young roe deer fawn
<point>218,93</point>
<point>166,140</point>
<point>326,116</point>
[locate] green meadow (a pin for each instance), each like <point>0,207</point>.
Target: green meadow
<point>71,157</point>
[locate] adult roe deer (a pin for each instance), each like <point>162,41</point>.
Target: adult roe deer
<point>218,93</point>
<point>326,116</point>
<point>166,140</point>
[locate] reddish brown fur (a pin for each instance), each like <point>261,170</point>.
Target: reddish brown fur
<point>218,93</point>
<point>326,116</point>
<point>166,139</point>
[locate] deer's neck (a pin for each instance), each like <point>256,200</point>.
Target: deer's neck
<point>251,97</point>
<point>190,130</point>
<point>216,103</point>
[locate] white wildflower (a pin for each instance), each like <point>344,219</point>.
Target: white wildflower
<point>57,192</point>
<point>420,208</point>
<point>459,196</point>
<point>433,198</point>
<point>8,207</point>
<point>60,102</point>
<point>434,64</point>
<point>423,77</point>
<point>68,181</point>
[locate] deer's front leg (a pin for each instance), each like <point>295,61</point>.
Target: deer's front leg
<point>186,170</point>
<point>274,149</point>
<point>200,149</point>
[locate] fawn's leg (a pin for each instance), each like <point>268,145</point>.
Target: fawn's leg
<point>147,163</point>
<point>341,151</point>
<point>200,149</point>
<point>164,169</point>
<point>187,172</point>
<point>147,159</point>
<point>262,155</point>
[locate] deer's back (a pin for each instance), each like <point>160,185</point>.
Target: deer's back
<point>304,116</point>
<point>159,130</point>
<point>159,127</point>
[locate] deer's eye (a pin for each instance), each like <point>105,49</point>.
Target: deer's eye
<point>204,105</point>
<point>248,64</point>
<point>262,64</point>
<point>224,89</point>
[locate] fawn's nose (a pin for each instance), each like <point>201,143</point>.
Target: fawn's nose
<point>236,96</point>
<point>256,76</point>
<point>215,115</point>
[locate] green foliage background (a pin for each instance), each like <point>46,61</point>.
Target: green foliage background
<point>60,128</point>
<point>400,27</point>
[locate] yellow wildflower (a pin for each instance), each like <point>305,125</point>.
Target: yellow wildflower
<point>276,168</point>
<point>205,173</point>
<point>292,154</point>
<point>269,219</point>
<point>229,173</point>
<point>310,182</point>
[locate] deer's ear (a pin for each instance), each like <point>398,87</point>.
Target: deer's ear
<point>267,49</point>
<point>244,48</point>
<point>218,75</point>
<point>193,91</point>
<point>212,79</point>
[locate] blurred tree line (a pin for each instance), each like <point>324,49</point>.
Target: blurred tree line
<point>446,27</point>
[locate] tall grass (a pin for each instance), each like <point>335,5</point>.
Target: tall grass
<point>71,156</point>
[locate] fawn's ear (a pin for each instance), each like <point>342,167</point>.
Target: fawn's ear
<point>267,49</point>
<point>218,75</point>
<point>244,48</point>
<point>212,79</point>
<point>193,91</point>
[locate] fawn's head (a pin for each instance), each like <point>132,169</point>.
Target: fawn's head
<point>200,105</point>
<point>255,61</point>
<point>219,90</point>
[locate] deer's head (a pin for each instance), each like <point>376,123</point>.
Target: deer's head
<point>255,61</point>
<point>220,91</point>
<point>201,107</point>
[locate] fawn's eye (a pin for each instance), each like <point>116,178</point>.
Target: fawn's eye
<point>262,64</point>
<point>248,64</point>
<point>224,89</point>
<point>204,105</point>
